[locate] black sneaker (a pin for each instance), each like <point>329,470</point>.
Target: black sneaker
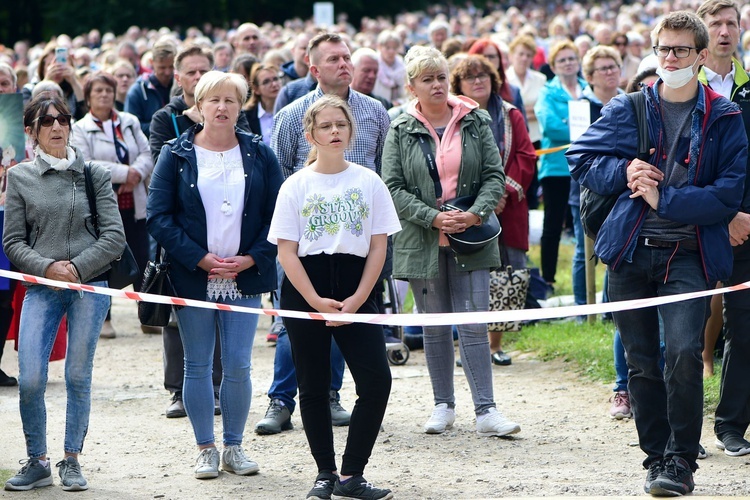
<point>676,479</point>
<point>323,486</point>
<point>654,469</point>
<point>733,445</point>
<point>357,487</point>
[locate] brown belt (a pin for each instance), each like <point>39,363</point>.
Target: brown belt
<point>686,244</point>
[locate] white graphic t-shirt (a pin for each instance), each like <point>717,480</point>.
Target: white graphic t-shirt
<point>333,213</point>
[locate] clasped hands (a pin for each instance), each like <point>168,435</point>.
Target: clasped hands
<point>643,181</point>
<point>225,268</point>
<point>62,270</point>
<point>454,221</point>
<point>349,305</point>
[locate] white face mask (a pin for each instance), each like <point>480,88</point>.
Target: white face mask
<point>678,78</point>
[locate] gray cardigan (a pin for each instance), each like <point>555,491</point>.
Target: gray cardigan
<point>47,219</point>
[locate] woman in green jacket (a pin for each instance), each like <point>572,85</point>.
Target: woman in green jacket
<point>443,281</point>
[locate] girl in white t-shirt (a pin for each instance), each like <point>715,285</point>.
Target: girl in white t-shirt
<point>331,225</point>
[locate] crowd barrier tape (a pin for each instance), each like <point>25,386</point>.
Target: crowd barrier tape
<point>425,319</point>
<point>541,152</point>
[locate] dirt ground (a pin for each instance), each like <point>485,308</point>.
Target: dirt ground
<point>568,445</point>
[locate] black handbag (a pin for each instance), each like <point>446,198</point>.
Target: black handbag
<point>595,207</point>
<point>473,238</point>
<point>156,281</point>
<point>124,269</point>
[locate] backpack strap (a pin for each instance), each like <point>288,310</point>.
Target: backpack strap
<point>638,101</point>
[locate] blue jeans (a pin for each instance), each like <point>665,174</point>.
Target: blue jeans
<point>621,365</point>
<point>198,332</point>
<point>668,407</point>
<point>284,384</point>
<point>456,291</point>
<point>579,258</point>
<point>43,309</point>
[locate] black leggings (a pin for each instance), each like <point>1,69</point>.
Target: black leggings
<point>337,277</point>
<point>555,191</point>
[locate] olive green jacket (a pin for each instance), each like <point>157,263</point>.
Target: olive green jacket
<point>405,172</point>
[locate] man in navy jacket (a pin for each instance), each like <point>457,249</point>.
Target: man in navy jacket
<point>667,234</point>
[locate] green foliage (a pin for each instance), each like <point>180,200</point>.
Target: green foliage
<point>6,474</point>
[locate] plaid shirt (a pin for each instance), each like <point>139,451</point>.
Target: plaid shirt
<point>371,126</point>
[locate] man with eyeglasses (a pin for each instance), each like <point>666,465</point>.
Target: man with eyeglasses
<point>725,74</point>
<point>667,235</point>
<point>170,122</point>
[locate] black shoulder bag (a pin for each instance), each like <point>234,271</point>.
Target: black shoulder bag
<point>595,207</point>
<point>156,280</point>
<point>473,238</point>
<point>124,270</point>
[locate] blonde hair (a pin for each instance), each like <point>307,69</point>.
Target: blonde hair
<point>214,80</point>
<point>559,47</point>
<point>310,119</point>
<point>422,59</point>
<point>599,52</point>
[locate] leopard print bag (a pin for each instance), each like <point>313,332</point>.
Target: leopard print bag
<point>508,289</point>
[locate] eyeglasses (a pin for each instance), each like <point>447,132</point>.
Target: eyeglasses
<point>566,60</point>
<point>491,56</point>
<point>482,77</point>
<point>679,52</point>
<point>49,120</point>
<point>269,81</point>
<point>620,44</point>
<point>607,69</point>
<point>328,126</point>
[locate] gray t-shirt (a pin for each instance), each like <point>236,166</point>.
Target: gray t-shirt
<point>677,118</point>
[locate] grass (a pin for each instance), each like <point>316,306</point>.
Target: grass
<point>6,474</point>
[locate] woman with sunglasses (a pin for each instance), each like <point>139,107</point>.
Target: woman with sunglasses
<point>48,232</point>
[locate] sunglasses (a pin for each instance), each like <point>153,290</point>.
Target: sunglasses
<point>49,120</point>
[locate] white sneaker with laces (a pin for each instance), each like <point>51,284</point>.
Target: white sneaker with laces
<point>441,420</point>
<point>233,459</point>
<point>207,464</point>
<point>493,423</point>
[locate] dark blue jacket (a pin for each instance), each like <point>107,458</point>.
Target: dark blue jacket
<point>177,220</point>
<point>716,175</point>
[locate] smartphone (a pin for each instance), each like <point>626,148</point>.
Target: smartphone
<point>61,55</point>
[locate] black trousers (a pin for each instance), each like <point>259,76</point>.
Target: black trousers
<point>555,191</point>
<point>362,345</point>
<point>733,411</point>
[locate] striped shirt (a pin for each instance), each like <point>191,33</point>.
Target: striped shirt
<point>371,126</point>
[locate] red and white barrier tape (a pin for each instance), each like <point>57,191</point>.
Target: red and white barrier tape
<point>391,319</point>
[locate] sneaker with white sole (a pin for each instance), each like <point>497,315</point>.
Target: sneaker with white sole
<point>493,423</point>
<point>620,406</point>
<point>733,445</point>
<point>323,487</point>
<point>207,464</point>
<point>32,475</point>
<point>71,476</point>
<point>339,416</point>
<point>357,487</point>
<point>234,460</point>
<point>442,419</point>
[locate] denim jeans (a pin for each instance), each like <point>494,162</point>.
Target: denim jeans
<point>621,364</point>
<point>456,291</point>
<point>284,384</point>
<point>579,258</point>
<point>237,332</point>
<point>668,406</point>
<point>42,311</point>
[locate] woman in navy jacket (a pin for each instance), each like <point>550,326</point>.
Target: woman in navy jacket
<point>210,204</point>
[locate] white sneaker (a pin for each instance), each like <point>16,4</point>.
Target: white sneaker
<point>493,423</point>
<point>441,420</point>
<point>207,464</point>
<point>233,459</point>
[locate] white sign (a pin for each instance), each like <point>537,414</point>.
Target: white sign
<point>579,118</point>
<point>323,14</point>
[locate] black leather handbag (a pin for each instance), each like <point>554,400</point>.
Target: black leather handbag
<point>473,238</point>
<point>124,270</point>
<point>156,281</point>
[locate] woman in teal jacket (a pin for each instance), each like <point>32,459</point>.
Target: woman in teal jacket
<point>552,112</point>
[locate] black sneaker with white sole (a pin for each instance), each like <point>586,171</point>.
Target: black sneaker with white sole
<point>733,444</point>
<point>323,486</point>
<point>358,488</point>
<point>675,479</point>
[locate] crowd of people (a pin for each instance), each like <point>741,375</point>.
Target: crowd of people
<point>312,163</point>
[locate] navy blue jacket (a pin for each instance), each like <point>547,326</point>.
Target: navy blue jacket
<point>177,220</point>
<point>716,158</point>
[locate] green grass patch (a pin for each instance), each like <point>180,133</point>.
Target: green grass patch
<point>6,474</point>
